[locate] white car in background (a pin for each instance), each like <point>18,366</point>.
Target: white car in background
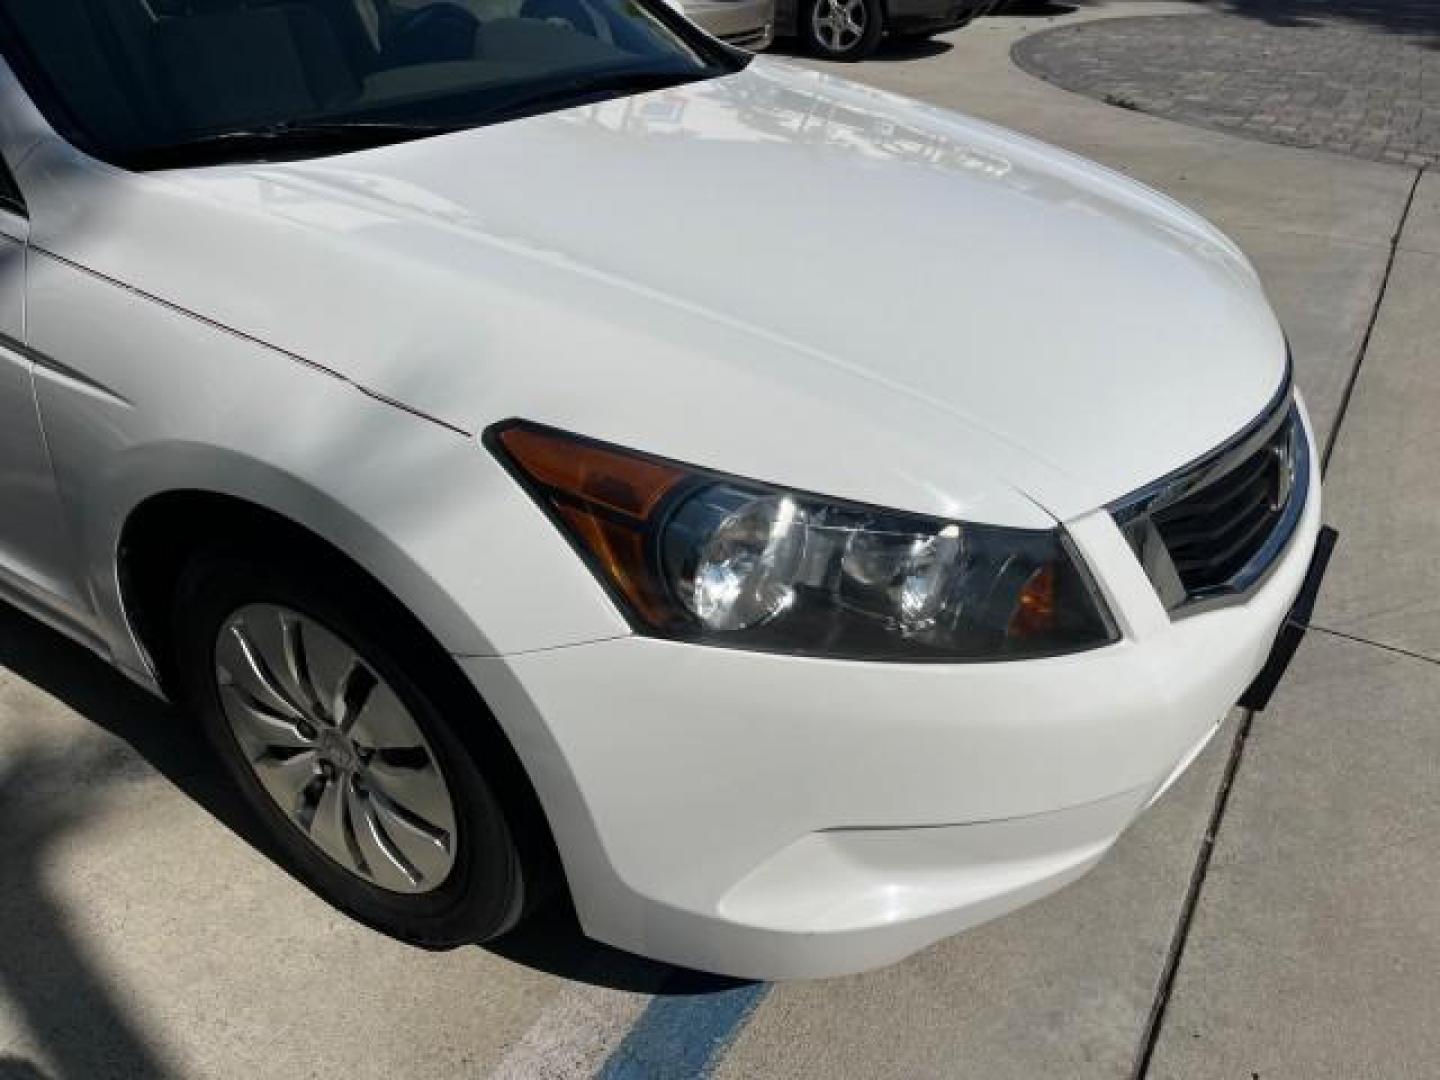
<point>484,427</point>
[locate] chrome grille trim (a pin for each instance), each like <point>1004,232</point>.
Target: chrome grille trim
<point>1141,515</point>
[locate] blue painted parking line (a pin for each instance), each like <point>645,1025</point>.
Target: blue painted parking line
<point>685,1030</point>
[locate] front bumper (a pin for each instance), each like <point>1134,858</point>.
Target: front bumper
<point>748,24</point>
<point>774,817</point>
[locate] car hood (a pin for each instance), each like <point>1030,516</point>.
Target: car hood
<point>776,273</point>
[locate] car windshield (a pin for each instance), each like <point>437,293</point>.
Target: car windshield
<point>164,83</point>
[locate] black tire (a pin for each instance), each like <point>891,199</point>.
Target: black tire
<point>487,888</point>
<point>873,29</point>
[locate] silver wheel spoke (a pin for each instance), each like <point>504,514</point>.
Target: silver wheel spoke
<point>383,722</point>
<point>257,728</point>
<point>275,640</point>
<point>352,695</point>
<point>241,664</point>
<point>420,790</point>
<point>329,827</point>
<point>335,748</point>
<point>330,662</point>
<point>388,863</point>
<point>287,779</point>
<point>297,660</point>
<point>425,846</point>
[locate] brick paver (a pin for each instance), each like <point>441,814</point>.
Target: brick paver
<point>1366,88</point>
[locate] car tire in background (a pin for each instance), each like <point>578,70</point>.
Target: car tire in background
<point>844,30</point>
<point>347,738</point>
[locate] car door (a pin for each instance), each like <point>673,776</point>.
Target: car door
<point>36,565</point>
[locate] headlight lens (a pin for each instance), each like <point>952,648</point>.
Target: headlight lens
<point>703,557</point>
<point>732,559</point>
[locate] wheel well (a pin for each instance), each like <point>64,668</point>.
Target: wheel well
<point>162,535</point>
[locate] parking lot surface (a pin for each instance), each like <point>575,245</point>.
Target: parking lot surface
<point>1356,79</point>
<point>1273,915</point>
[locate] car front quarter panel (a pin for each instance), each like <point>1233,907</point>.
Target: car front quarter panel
<point>174,403</point>
<point>774,817</point>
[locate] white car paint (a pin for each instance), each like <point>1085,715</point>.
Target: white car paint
<point>777,274</point>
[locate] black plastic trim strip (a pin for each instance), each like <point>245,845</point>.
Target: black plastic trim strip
<point>1292,631</point>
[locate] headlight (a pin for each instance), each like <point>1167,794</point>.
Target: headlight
<point>697,556</point>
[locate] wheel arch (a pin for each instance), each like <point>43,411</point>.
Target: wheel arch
<point>164,497</point>
<point>162,531</point>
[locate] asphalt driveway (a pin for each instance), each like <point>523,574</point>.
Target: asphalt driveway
<point>1274,915</point>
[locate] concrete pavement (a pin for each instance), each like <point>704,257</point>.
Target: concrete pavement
<point>1383,467</point>
<point>145,936</point>
<point>1316,944</point>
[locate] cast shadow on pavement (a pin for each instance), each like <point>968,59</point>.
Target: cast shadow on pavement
<point>44,961</point>
<point>69,1007</point>
<point>1036,8</point>
<point>1416,19</point>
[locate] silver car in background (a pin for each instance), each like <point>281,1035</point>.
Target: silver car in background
<point>747,24</point>
<point>850,30</point>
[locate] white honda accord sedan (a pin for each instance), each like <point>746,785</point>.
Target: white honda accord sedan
<point>549,446</point>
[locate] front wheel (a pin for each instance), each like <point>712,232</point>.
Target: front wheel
<point>330,723</point>
<point>845,30</point>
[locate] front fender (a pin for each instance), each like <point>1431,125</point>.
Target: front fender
<point>179,404</point>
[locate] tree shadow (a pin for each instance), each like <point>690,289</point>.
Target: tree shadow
<point>1036,8</point>
<point>899,49</point>
<point>890,49</point>
<point>14,1068</point>
<point>1415,19</point>
<point>68,1005</point>
<point>166,740</point>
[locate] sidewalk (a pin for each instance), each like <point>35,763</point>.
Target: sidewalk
<point>1316,946</point>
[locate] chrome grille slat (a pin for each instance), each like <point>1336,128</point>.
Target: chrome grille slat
<point>1218,530</point>
<point>1212,530</point>
<point>1232,491</point>
<point>1200,529</point>
<point>1209,565</point>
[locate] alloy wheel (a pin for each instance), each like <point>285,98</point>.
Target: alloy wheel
<point>839,24</point>
<point>335,749</point>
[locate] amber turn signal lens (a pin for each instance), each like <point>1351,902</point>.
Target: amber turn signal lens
<point>606,499</point>
<point>632,486</point>
<point>1035,612</point>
